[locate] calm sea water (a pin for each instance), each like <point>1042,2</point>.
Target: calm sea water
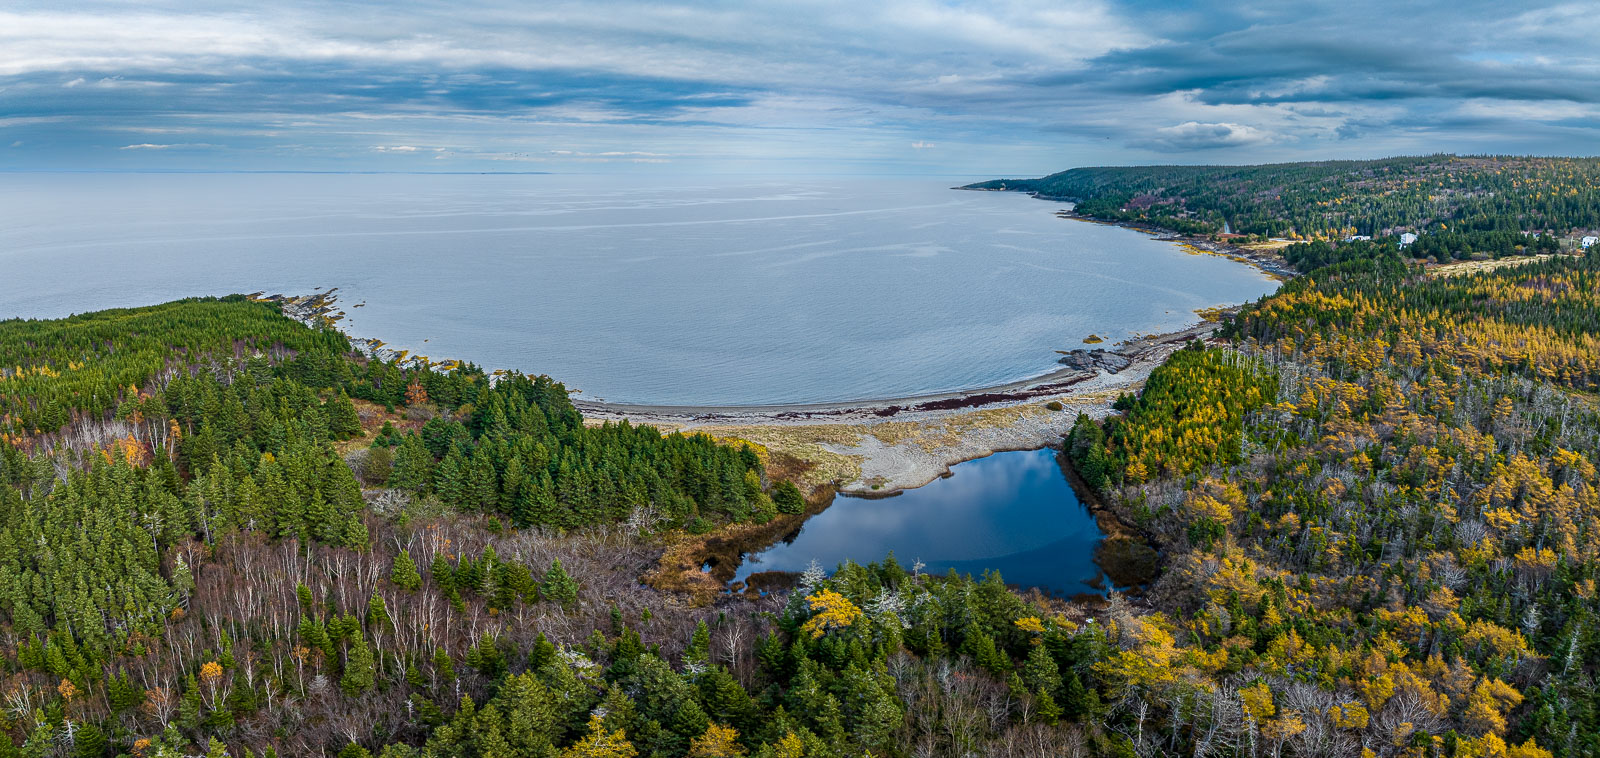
<point>698,290</point>
<point>1011,512</point>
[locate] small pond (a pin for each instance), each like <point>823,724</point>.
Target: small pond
<point>1013,512</point>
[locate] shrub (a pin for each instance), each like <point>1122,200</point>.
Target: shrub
<point>787,498</point>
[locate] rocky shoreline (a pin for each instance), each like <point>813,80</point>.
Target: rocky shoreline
<point>1083,371</point>
<point>1268,263</point>
<point>884,446</point>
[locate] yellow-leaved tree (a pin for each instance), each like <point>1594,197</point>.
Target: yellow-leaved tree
<point>832,611</point>
<point>717,742</point>
<point>601,743</point>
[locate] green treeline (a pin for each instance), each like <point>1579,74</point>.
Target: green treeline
<point>235,429</point>
<point>53,369</point>
<point>508,455</point>
<point>1459,205</point>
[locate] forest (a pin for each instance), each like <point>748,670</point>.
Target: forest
<point>226,532</point>
<point>1458,206</point>
<point>1386,531</point>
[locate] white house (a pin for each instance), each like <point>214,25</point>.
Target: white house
<point>1407,238</point>
<point>1587,242</point>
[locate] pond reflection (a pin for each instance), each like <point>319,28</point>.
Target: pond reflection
<point>1013,512</point>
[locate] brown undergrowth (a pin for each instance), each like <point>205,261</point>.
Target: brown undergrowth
<point>699,566</point>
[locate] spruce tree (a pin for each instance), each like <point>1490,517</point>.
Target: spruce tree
<point>413,465</point>
<point>403,572</point>
<point>377,613</point>
<point>558,586</point>
<point>343,421</point>
<point>359,672</point>
<point>787,498</point>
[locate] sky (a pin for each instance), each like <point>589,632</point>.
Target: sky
<point>1004,88</point>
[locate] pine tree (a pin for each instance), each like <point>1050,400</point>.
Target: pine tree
<point>699,649</point>
<point>1049,712</point>
<point>482,490</point>
<point>403,572</point>
<point>123,693</point>
<point>343,421</point>
<point>359,673</point>
<point>443,665</point>
<point>535,504</point>
<point>190,705</point>
<point>486,657</point>
<point>450,480</point>
<point>558,586</point>
<point>413,465</point>
<point>511,485</point>
<point>1040,671</point>
<point>786,496</point>
<point>314,634</point>
<point>443,573</point>
<point>377,613</point>
<point>1077,702</point>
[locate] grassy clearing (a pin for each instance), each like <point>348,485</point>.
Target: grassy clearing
<point>803,443</point>
<point>1463,268</point>
<point>1267,247</point>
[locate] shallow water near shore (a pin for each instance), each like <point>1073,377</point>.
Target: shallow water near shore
<point>692,290</point>
<point>1013,512</point>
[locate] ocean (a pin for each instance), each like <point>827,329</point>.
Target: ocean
<point>686,290</point>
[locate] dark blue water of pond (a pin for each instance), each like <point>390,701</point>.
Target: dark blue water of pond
<point>1011,512</point>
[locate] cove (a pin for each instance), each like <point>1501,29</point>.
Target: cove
<point>1013,512</point>
<point>651,290</point>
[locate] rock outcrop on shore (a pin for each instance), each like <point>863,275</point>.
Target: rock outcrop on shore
<point>1096,359</point>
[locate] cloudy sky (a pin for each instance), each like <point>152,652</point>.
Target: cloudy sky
<point>884,86</point>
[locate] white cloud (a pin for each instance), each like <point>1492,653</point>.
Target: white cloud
<point>30,120</point>
<point>1194,135</point>
<point>839,42</point>
<point>852,84</point>
<point>605,156</point>
<point>152,146</point>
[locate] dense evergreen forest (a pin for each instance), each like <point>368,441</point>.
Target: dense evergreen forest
<point>1459,206</point>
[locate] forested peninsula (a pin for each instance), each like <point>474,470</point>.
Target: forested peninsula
<point>1452,207</point>
<point>227,532</point>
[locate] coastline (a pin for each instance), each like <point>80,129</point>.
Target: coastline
<point>882,447</point>
<point>1266,262</point>
<point>1057,382</point>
